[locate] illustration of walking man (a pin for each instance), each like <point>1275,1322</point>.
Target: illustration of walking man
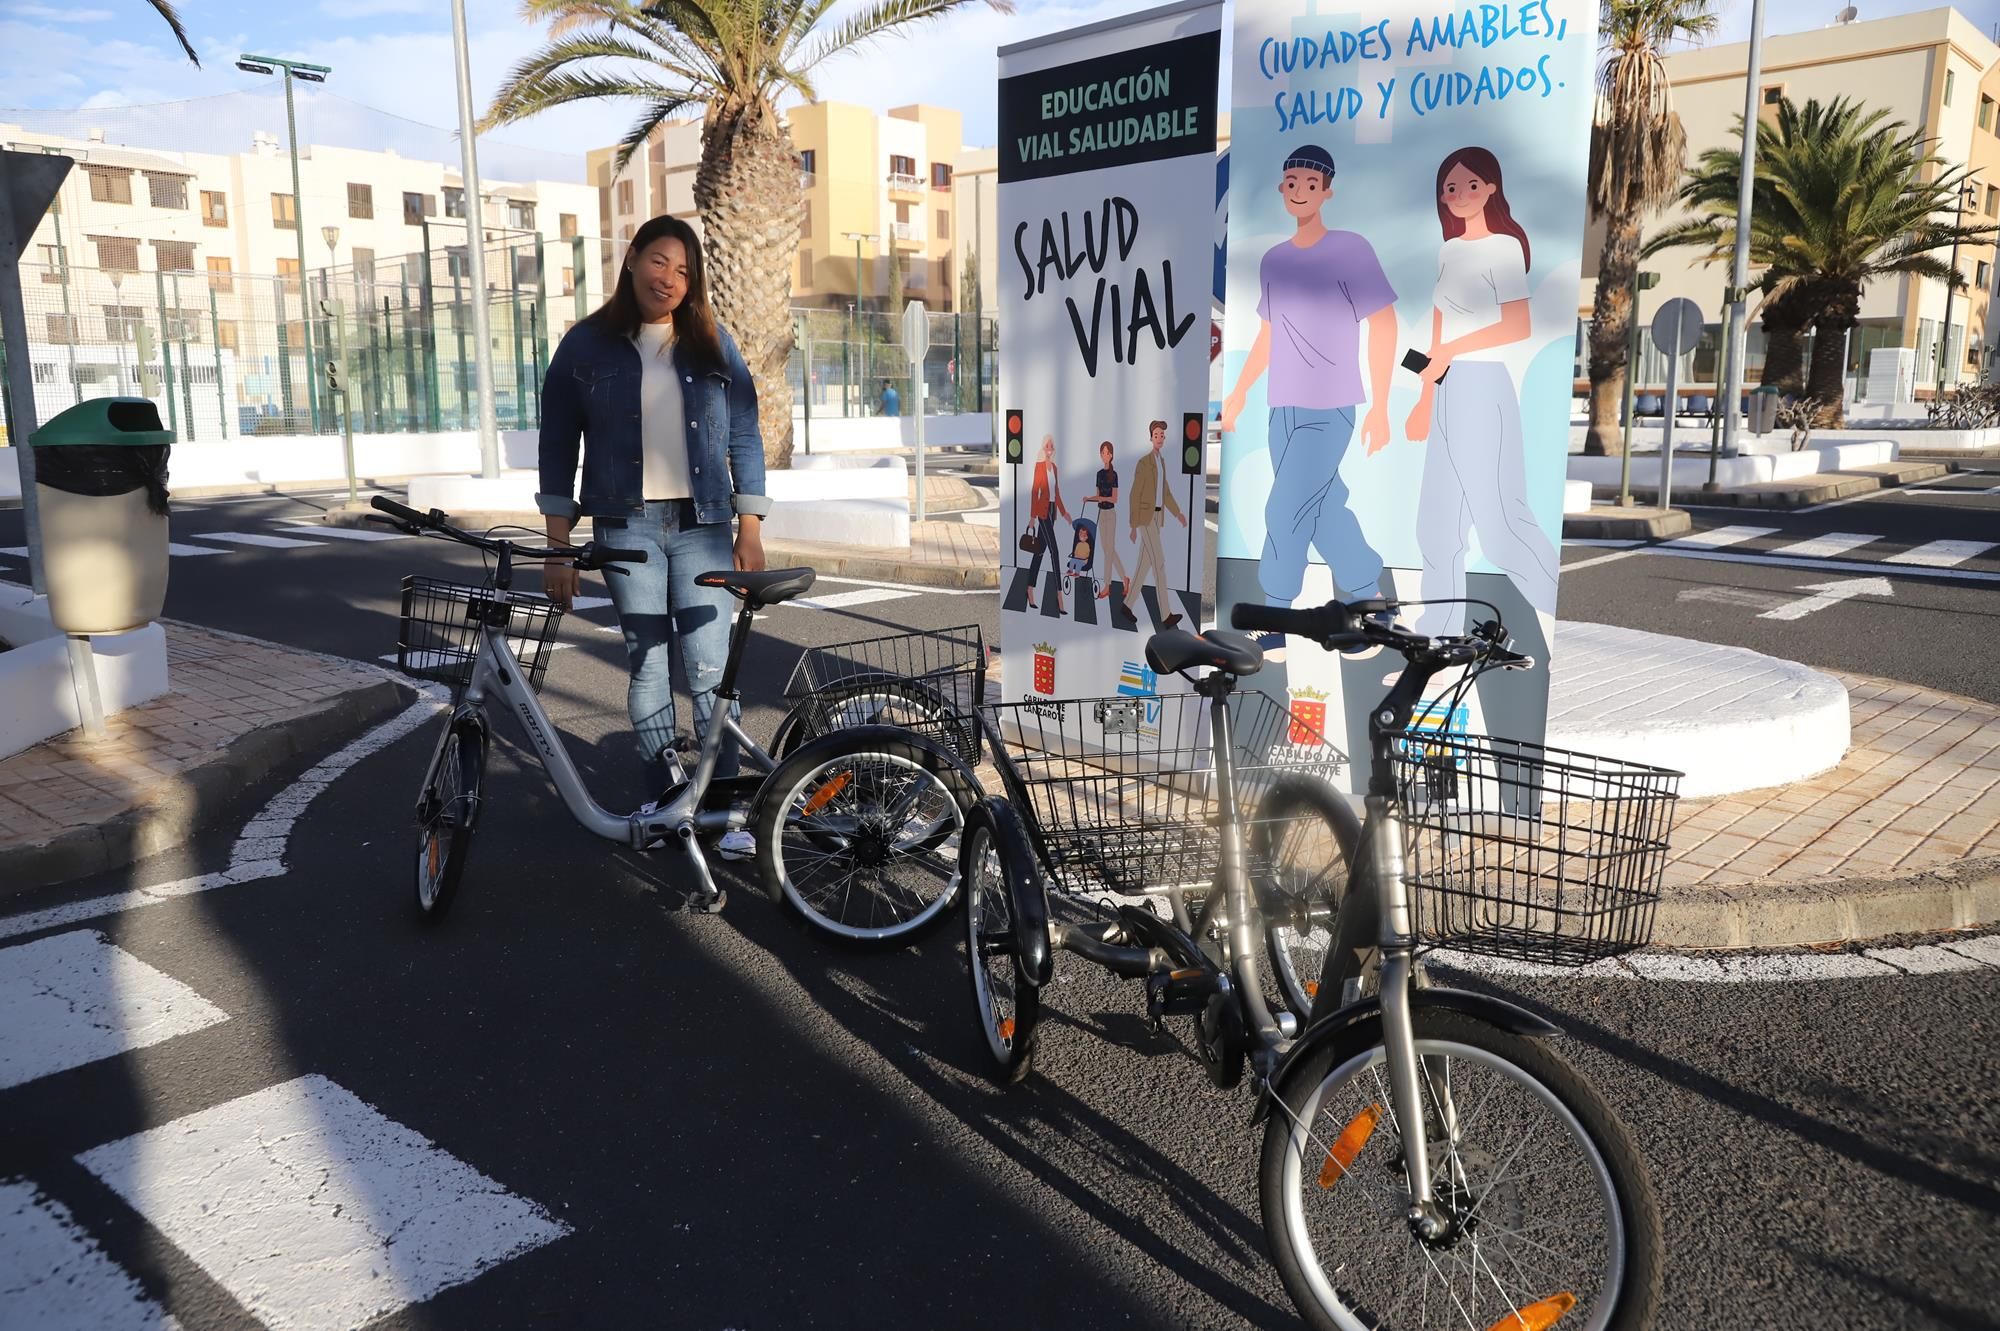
<point>1149,497</point>
<point>1316,290</point>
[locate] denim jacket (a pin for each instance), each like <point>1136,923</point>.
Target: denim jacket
<point>592,392</point>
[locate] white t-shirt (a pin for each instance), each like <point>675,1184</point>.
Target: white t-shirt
<point>662,416</point>
<point>1475,278</point>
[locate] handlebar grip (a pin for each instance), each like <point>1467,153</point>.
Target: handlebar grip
<point>1312,623</point>
<point>606,555</point>
<point>401,512</point>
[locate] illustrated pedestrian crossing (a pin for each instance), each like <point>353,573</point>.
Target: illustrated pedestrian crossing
<point>311,1208</point>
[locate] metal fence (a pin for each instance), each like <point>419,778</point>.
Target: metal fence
<point>227,355</point>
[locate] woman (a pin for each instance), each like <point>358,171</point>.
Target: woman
<point>1106,500</point>
<point>1475,475</point>
<point>1044,502</point>
<point>665,408</point>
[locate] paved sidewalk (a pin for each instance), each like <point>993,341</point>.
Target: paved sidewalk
<point>238,707</point>
<point>940,554</point>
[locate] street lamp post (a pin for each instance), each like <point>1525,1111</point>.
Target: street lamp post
<point>475,250</point>
<point>1966,192</point>
<point>853,310</point>
<point>289,70</point>
<point>1732,382</point>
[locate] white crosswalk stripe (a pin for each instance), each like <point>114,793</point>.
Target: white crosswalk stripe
<point>1829,546</point>
<point>75,998</point>
<point>1941,554</point>
<point>1716,537</point>
<point>344,533</point>
<point>56,1278</point>
<point>840,600</point>
<point>257,539</point>
<point>316,1211</point>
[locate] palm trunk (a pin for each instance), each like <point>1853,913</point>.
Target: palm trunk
<point>747,188</point>
<point>1839,310</point>
<point>1784,351</point>
<point>1611,331</point>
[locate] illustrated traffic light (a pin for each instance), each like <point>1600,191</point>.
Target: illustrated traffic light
<point>149,379</point>
<point>1015,448</point>
<point>1191,444</point>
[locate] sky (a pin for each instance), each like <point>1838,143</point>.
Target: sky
<point>395,55</point>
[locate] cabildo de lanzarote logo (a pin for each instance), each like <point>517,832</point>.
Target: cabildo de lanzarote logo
<point>1045,670</point>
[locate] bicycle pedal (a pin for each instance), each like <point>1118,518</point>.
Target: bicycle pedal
<point>1181,993</point>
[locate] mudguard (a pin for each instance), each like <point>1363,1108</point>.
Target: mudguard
<point>1027,891</point>
<point>1498,1011</point>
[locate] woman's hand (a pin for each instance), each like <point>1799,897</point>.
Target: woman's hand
<point>749,544</point>
<point>560,582</point>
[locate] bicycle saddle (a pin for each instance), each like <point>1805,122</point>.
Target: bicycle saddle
<point>770,587</point>
<point>1218,649</point>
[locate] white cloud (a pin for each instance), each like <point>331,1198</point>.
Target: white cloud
<point>353,9</point>
<point>52,14</point>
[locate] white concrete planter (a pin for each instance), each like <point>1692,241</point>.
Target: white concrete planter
<point>38,698</point>
<point>1750,468</point>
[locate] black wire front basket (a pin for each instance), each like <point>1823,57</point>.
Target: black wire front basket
<point>931,681</point>
<point>1530,853</point>
<point>1119,793</point>
<point>438,637</point>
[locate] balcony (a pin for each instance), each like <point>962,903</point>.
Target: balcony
<point>807,180</point>
<point>905,236</point>
<point>903,183</point>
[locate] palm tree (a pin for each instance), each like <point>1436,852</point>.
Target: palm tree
<point>1843,196</point>
<point>1637,149</point>
<point>165,9</point>
<point>735,59</point>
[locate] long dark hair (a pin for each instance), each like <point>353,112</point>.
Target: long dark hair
<point>1499,217</point>
<point>694,322</point>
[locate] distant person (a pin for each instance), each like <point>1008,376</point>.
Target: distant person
<point>892,401</point>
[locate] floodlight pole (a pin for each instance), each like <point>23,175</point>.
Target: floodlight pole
<point>475,250</point>
<point>289,70</point>
<point>1740,273</point>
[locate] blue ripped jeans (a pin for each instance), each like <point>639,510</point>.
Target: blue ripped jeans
<point>660,608</point>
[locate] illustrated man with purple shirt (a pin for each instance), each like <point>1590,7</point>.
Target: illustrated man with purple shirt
<point>1316,289</point>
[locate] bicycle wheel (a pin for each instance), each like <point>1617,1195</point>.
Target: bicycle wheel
<point>996,865</point>
<point>447,813</point>
<point>1551,1212</point>
<point>1302,846</point>
<point>868,700</point>
<point>859,833</point>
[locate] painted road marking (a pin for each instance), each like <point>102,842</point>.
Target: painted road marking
<point>77,998</point>
<point>1941,554</point>
<point>841,600</point>
<point>341,533</point>
<point>1716,537</point>
<point>1826,594</point>
<point>1827,546</point>
<point>54,1277</point>
<point>590,602</point>
<point>173,548</point>
<point>1744,596</point>
<point>255,538</point>
<point>1784,561</point>
<point>314,1210</point>
<point>905,586</point>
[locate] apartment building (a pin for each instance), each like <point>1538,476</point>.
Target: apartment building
<point>878,193</point>
<point>1935,71</point>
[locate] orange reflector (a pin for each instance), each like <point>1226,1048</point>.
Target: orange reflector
<point>1537,1316</point>
<point>1312,988</point>
<point>1006,1028</point>
<point>1348,1145</point>
<point>1185,973</point>
<point>433,854</point>
<point>827,793</point>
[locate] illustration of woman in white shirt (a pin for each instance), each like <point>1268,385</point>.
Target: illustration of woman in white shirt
<point>1475,476</point>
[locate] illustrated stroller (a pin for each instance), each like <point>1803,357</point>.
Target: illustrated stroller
<point>1082,556</point>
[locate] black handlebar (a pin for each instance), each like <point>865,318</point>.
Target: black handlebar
<point>1346,627</point>
<point>589,556</point>
<point>400,512</point>
<point>604,554</point>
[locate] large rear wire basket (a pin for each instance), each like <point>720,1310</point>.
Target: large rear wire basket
<point>931,681</point>
<point>1530,853</point>
<point>438,637</point>
<point>1119,792</point>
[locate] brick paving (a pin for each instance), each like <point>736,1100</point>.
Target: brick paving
<point>220,689</point>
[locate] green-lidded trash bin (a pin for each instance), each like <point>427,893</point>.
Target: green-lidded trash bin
<point>101,489</point>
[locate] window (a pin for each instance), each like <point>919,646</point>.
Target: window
<point>625,196</point>
<point>526,271</point>
<point>1774,93</point>
<point>1950,80</point>
<point>416,207</point>
<point>364,273</point>
<point>1983,274</point>
<point>109,184</point>
<point>520,215</point>
<point>225,334</point>
<point>53,269</point>
<point>121,322</point>
<point>454,201</point>
<point>181,325</point>
<point>360,200</point>
<point>219,276</point>
<point>284,212</point>
<point>173,256</point>
<point>214,208</point>
<point>1993,200</point>
<point>809,161</point>
<point>805,268</point>
<point>1986,113</point>
<point>288,269</point>
<point>167,191</point>
<point>569,281</point>
<point>944,276</point>
<point>117,254</point>
<point>903,213</point>
<point>566,225</point>
<point>940,175</point>
<point>457,266</point>
<point>902,166</point>
<point>62,329</point>
<point>806,221</point>
<point>944,224</point>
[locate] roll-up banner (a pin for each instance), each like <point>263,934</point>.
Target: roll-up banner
<point>1107,151</point>
<point>1405,240</point>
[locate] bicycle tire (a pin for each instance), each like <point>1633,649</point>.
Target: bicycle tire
<point>1291,1151</point>
<point>448,815</point>
<point>835,708</point>
<point>996,866</point>
<point>848,772</point>
<point>1297,958</point>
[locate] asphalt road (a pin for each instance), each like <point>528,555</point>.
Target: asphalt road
<point>742,1127</point>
